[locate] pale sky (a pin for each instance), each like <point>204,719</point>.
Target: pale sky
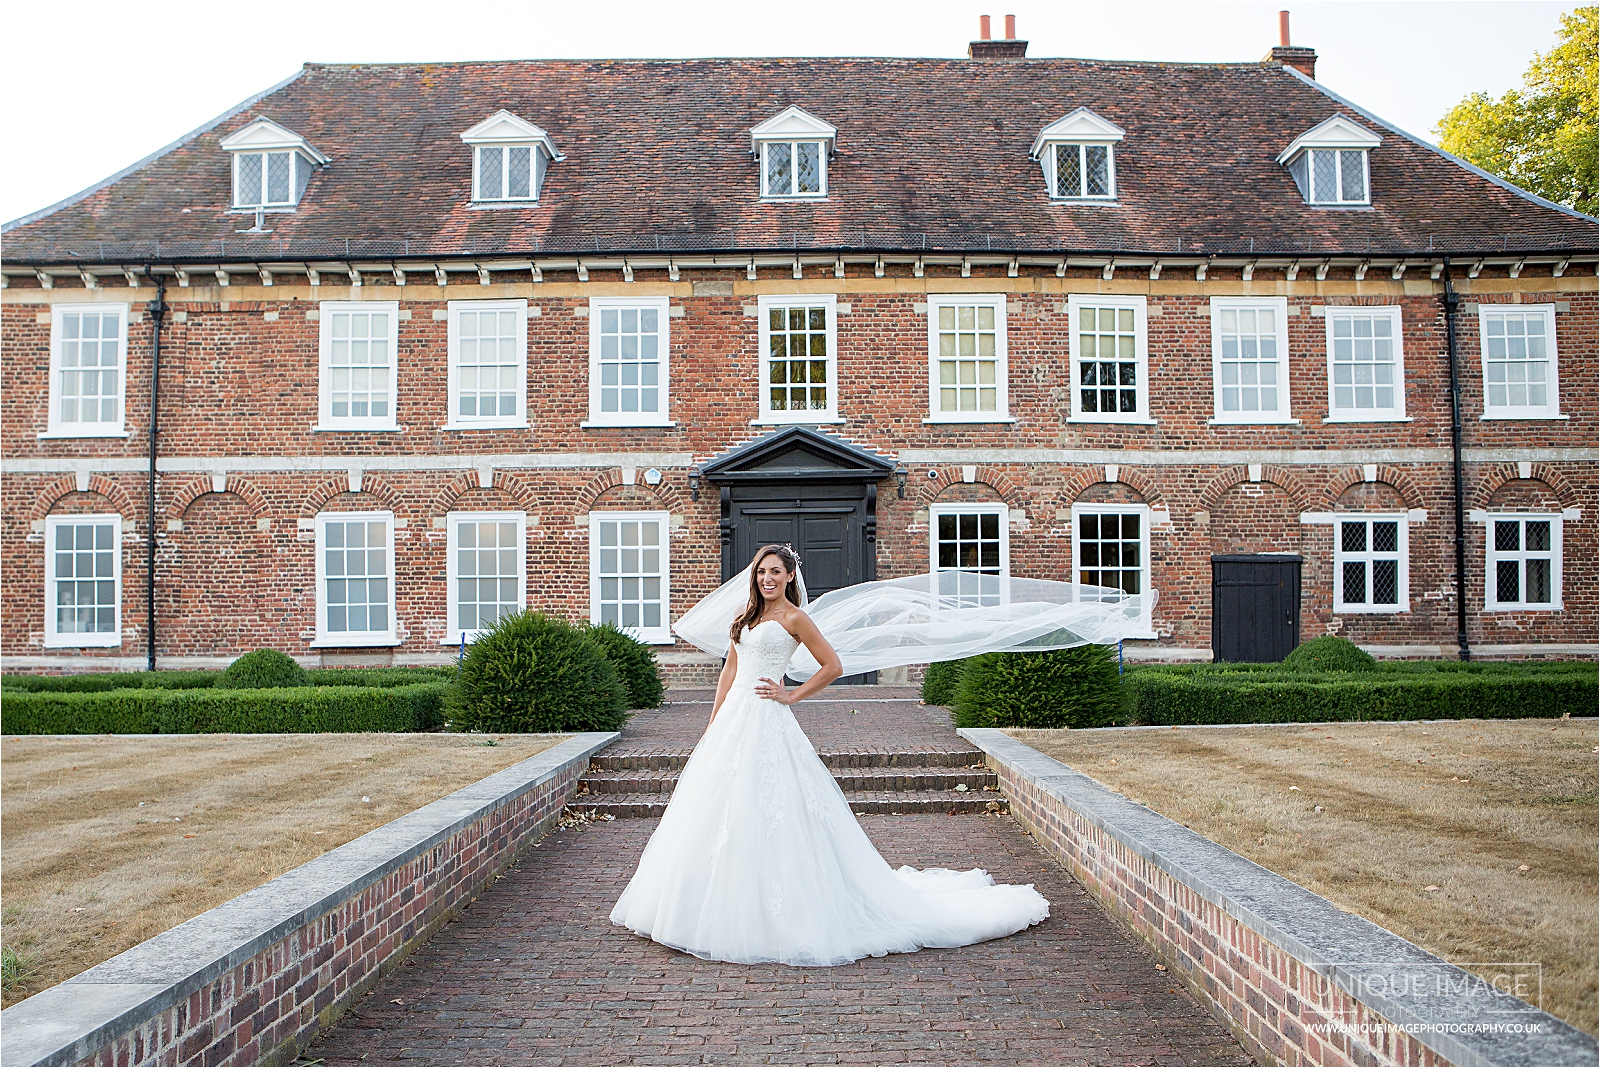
<point>92,86</point>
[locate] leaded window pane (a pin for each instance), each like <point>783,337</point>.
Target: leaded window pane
<point>85,578</point>
<point>631,351</point>
<point>1108,370</point>
<point>360,365</point>
<point>779,171</point>
<point>1352,177</point>
<point>519,172</point>
<point>278,177</point>
<point>487,572</point>
<point>90,389</point>
<point>491,179</point>
<point>797,369</point>
<point>355,570</point>
<point>1522,553</point>
<point>1248,368</point>
<point>1097,170</point>
<point>968,342</point>
<point>1368,563</point>
<point>1069,171</point>
<point>247,187</point>
<point>1324,176</point>
<point>808,167</point>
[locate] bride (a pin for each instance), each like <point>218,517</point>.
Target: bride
<point>759,858</point>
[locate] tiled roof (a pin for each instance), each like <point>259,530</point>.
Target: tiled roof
<point>932,154</point>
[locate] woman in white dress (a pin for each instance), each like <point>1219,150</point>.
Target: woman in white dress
<point>759,858</point>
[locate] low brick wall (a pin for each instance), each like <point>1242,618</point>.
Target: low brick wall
<point>1298,980</point>
<point>254,979</point>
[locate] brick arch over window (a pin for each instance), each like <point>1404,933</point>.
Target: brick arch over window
<point>930,489</point>
<point>120,502</point>
<point>1500,474</point>
<point>1282,478</point>
<point>319,497</point>
<point>1354,476</point>
<point>669,496</point>
<point>242,488</point>
<point>1137,480</point>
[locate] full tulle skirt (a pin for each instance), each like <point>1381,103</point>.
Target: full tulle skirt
<point>759,859</point>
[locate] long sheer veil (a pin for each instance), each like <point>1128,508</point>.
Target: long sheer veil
<point>928,617</point>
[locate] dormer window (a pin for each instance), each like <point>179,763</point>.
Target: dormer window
<point>271,166</point>
<point>1329,163</point>
<point>509,159</point>
<point>1078,157</point>
<point>793,149</point>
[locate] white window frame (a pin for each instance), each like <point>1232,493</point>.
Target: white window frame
<point>1284,415</point>
<point>56,428</point>
<point>1076,302</point>
<point>352,639</point>
<point>325,316</point>
<point>663,307</point>
<point>661,635</point>
<point>1402,549</point>
<point>1396,414</point>
<point>1491,586</point>
<point>453,520</point>
<point>1552,410</point>
<point>996,508</point>
<point>453,419</point>
<point>1146,608</point>
<point>1002,402</point>
<point>298,165</point>
<point>1081,148</point>
<point>793,193</point>
<point>505,196</point>
<point>810,417</point>
<point>1307,161</point>
<point>54,639</point>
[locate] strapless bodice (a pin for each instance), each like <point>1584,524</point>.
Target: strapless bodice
<point>764,652</point>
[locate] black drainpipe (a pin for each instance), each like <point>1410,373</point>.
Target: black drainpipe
<point>158,311</point>
<point>1450,303</point>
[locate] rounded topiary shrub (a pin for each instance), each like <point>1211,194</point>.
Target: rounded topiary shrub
<point>635,663</point>
<point>263,669</point>
<point>535,673</point>
<point>1065,688</point>
<point>939,684</point>
<point>1329,653</point>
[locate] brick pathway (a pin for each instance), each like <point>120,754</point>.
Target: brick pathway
<point>534,972</point>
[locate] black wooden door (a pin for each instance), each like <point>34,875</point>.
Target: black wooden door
<point>1255,608</point>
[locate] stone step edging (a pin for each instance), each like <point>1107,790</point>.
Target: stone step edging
<point>257,977</point>
<point>1297,979</point>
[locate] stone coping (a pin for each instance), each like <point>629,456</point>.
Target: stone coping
<point>1393,977</point>
<point>76,1018</point>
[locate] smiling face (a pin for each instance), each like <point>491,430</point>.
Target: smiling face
<point>771,578</point>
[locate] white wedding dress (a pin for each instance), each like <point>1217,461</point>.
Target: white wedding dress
<point>759,858</point>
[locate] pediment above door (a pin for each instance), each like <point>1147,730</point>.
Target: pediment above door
<point>798,453</point>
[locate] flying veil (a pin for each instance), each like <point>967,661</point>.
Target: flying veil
<point>924,618</point>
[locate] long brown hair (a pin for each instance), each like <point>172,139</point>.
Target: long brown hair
<point>758,604</point>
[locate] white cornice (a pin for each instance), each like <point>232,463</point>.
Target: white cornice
<point>1337,131</point>
<point>793,123</point>
<point>504,128</point>
<point>264,134</point>
<point>1078,127</point>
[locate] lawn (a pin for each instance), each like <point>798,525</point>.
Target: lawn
<point>1474,839</point>
<point>110,840</point>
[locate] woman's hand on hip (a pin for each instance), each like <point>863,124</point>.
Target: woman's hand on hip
<point>772,691</point>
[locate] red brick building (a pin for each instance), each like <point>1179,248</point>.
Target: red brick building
<point>438,341</point>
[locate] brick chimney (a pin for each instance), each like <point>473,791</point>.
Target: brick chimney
<point>1010,48</point>
<point>1303,60</point>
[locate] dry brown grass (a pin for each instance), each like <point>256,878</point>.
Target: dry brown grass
<point>1371,815</point>
<point>110,840</point>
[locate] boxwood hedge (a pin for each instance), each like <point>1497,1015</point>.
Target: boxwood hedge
<point>102,681</point>
<point>285,710</point>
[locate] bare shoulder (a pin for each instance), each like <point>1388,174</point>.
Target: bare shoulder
<point>797,622</point>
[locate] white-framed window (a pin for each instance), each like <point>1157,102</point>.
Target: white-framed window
<point>967,358</point>
<point>794,168</point>
<point>1366,364</point>
<point>83,581</point>
<point>355,579</point>
<point>1110,360</point>
<point>1250,359</point>
<point>504,172</point>
<point>1333,176</point>
<point>1518,342</point>
<point>488,364</point>
<point>799,359</point>
<point>971,542</point>
<point>628,572</point>
<point>359,341</point>
<point>1083,172</point>
<point>1524,561</point>
<point>1111,553</point>
<point>88,370</point>
<point>629,341</point>
<point>269,179</point>
<point>1371,564</point>
<point>486,570</point>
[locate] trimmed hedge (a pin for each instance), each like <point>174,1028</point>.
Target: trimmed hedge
<point>1162,698</point>
<point>286,710</point>
<point>103,681</point>
<point>261,670</point>
<point>1065,688</point>
<point>939,684</point>
<point>537,673</point>
<point>635,663</point>
<point>1329,653</point>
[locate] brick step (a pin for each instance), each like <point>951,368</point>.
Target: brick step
<point>664,781</point>
<point>618,759</point>
<point>862,802</point>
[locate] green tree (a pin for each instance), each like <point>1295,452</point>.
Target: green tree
<point>1543,137</point>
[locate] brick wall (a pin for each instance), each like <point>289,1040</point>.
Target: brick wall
<point>239,383</point>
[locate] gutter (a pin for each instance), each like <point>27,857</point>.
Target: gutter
<point>1451,301</point>
<point>158,312</point>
